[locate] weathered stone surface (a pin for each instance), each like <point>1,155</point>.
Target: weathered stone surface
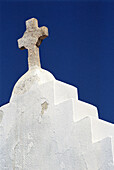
<point>31,40</point>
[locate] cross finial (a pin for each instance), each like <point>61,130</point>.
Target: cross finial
<point>31,41</point>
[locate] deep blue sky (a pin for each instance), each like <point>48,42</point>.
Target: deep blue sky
<point>78,51</point>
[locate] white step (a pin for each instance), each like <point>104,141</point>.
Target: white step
<point>63,91</point>
<point>100,156</point>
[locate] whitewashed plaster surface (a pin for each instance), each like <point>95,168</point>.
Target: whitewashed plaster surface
<point>46,127</point>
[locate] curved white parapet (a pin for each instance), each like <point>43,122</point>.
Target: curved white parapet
<point>36,75</point>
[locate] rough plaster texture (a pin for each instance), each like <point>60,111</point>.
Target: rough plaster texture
<point>46,127</point>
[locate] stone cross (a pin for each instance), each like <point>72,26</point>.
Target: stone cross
<point>31,41</point>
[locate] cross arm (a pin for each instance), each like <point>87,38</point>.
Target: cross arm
<point>44,31</point>
<point>44,34</point>
<point>21,44</point>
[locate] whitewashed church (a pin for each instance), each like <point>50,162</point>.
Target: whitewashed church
<point>45,127</point>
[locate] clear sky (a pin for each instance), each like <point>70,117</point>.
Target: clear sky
<point>78,51</point>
